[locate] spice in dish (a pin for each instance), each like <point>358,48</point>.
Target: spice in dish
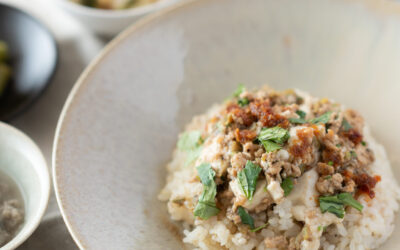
<point>114,4</point>
<point>281,170</point>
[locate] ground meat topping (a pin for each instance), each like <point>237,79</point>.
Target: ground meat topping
<point>245,135</point>
<point>366,184</point>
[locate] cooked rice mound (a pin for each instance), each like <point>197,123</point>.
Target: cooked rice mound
<point>280,170</point>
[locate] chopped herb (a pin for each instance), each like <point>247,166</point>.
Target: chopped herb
<point>206,207</point>
<point>287,185</point>
<point>348,199</point>
<point>346,125</point>
<point>301,113</point>
<point>259,228</point>
<point>322,119</point>
<point>363,143</point>
<point>328,177</point>
<point>353,154</point>
<point>239,90</point>
<point>192,155</point>
<point>206,173</point>
<point>301,119</point>
<point>319,228</point>
<point>248,179</point>
<point>243,102</point>
<point>330,163</point>
<point>331,207</point>
<point>338,145</point>
<point>297,120</point>
<point>189,140</point>
<point>275,134</point>
<point>245,217</point>
<point>335,203</point>
<point>271,146</point>
<point>273,138</point>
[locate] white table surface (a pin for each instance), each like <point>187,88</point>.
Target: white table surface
<point>77,47</point>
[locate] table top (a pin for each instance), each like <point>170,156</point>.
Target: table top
<point>77,47</point>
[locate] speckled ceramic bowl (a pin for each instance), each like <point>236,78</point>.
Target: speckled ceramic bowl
<point>120,123</point>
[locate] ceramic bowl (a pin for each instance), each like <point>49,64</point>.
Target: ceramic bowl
<point>23,161</point>
<point>120,124</point>
<point>33,57</point>
<point>108,23</point>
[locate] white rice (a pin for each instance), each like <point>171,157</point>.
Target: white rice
<point>366,230</point>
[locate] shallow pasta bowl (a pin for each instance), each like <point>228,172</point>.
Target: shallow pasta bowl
<point>120,123</point>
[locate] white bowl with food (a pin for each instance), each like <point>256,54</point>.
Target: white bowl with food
<point>109,17</point>
<point>158,148</point>
<point>24,186</point>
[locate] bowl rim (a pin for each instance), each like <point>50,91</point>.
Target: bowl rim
<point>115,14</point>
<point>376,6</point>
<point>44,181</point>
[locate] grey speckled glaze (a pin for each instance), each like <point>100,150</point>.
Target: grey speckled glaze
<point>120,123</point>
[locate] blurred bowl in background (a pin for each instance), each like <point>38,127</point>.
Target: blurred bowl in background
<point>33,59</point>
<point>23,162</point>
<point>109,23</point>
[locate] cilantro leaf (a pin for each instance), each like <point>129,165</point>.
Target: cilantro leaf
<point>239,90</point>
<point>206,207</point>
<point>275,134</point>
<point>324,118</point>
<point>346,125</point>
<point>245,217</point>
<point>192,155</point>
<point>301,119</point>
<point>348,199</point>
<point>273,138</point>
<point>206,173</point>
<point>297,120</point>
<point>335,203</point>
<point>271,146</point>
<point>243,102</point>
<point>189,140</point>
<point>247,178</point>
<point>301,113</point>
<point>287,185</point>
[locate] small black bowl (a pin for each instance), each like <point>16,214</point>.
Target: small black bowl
<point>33,57</point>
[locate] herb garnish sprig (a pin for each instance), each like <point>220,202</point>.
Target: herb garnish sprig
<point>273,138</point>
<point>206,207</point>
<point>335,204</point>
<point>247,178</point>
<point>248,220</point>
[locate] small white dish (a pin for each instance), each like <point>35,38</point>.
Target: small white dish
<point>23,162</point>
<point>110,22</point>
